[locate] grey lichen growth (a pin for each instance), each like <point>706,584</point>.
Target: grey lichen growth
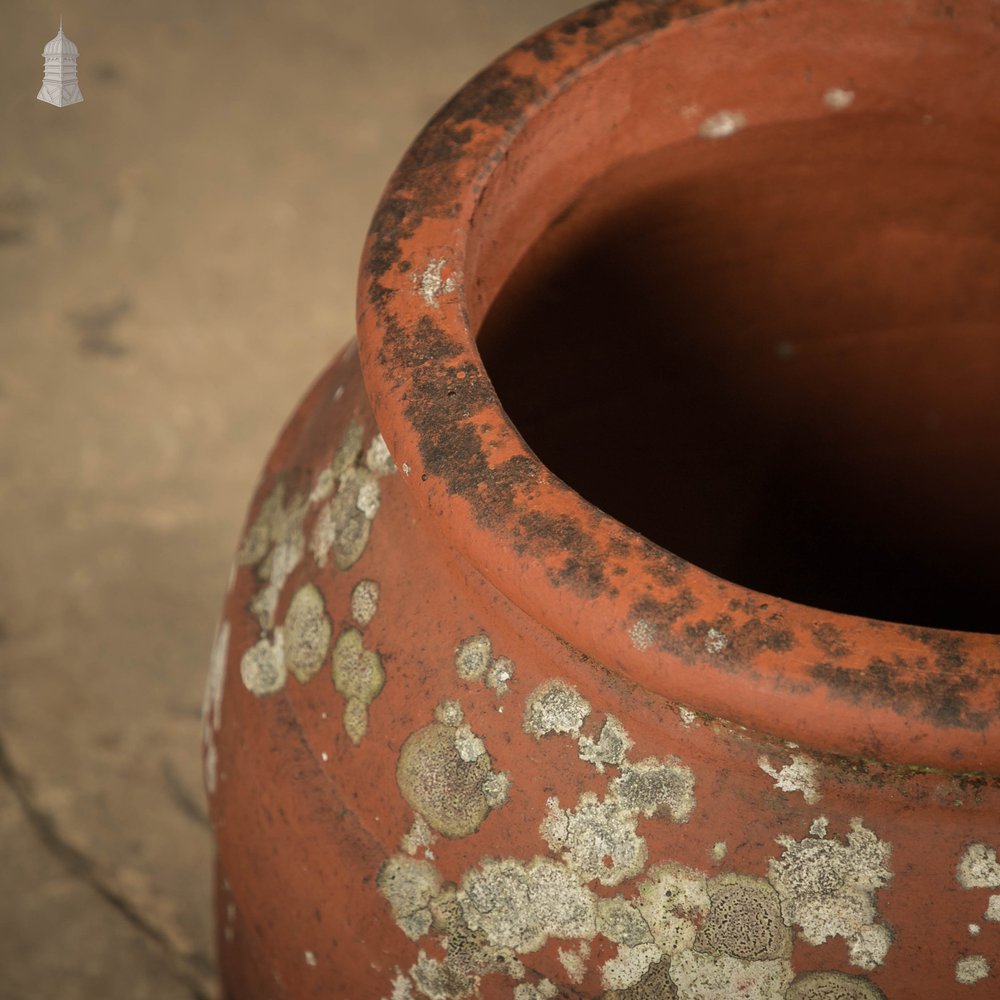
<point>378,459</point>
<point>520,906</point>
<point>744,920</point>
<point>799,776</point>
<point>409,886</point>
<point>307,633</point>
<point>469,746</point>
<point>629,966</point>
<point>656,787</point>
<point>359,677</point>
<point>419,835</point>
<point>674,902</point>
<point>344,522</point>
<point>440,980</point>
<point>832,986</point>
<point>262,668</point>
<point>555,707</point>
<point>496,786</point>
<point>364,602</point>
<point>275,544</point>
<point>439,784</point>
<point>500,674</point>
<point>971,969</point>
<point>470,953</point>
<point>574,963</point>
<point>978,868</point>
<point>611,747</point>
<point>697,976</point>
<point>598,840</point>
<point>993,909</point>
<point>542,990</point>
<point>655,984</point>
<point>828,889</point>
<point>473,656</point>
<point>642,634</point>
<point>620,921</point>
<point>449,712</point>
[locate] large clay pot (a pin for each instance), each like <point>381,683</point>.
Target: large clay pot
<point>481,720</point>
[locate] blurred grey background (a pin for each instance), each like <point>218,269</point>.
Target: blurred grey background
<point>177,262</point>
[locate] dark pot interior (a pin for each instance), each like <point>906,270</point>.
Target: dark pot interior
<point>777,355</point>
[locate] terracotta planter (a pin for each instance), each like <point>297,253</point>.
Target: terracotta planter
<point>481,720</point>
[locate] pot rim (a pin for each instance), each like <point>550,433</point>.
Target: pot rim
<point>831,682</point>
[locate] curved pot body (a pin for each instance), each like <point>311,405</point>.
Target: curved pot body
<point>466,734</point>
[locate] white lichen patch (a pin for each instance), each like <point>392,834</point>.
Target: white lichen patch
<point>799,776</point>
<point>499,675</point>
<point>440,980</point>
<point>687,716</point>
<point>718,851</point>
<point>838,98</point>
<point>993,908</point>
<point>323,487</point>
<point>555,707</point>
<point>542,990</point>
<point>401,988</point>
<point>310,958</point>
<point>210,764</point>
<point>378,459</point>
<point>868,946</point>
<point>343,524</point>
<point>408,886</point>
<point>449,712</point>
<point>573,963</point>
<point>496,787</point>
<point>307,632</point>
<point>364,602</point>
<point>274,544</point>
<point>597,840</point>
<point>211,705</point>
<point>715,641</point>
<point>262,668</point>
<point>655,787</point>
<point>611,747</point>
<point>473,657</point>
<point>673,901</point>
<point>619,920</point>
<point>430,284</point>
<point>971,969</point>
<point>629,966</point>
<point>699,976</point>
<point>818,826</point>
<point>642,634</point>
<point>978,868</point>
<point>722,124</point>
<point>419,835</point>
<point>827,888</point>
<point>974,929</point>
<point>359,677</point>
<point>468,744</point>
<point>520,906</point>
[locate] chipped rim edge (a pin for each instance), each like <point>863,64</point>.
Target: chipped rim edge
<point>940,708</point>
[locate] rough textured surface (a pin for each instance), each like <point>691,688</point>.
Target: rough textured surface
<point>177,261</point>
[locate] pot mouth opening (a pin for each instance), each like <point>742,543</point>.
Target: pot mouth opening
<point>663,315</point>
<point>778,356</point>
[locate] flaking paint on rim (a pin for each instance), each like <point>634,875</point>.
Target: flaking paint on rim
<point>832,682</point>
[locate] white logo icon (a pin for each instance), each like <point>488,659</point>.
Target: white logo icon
<point>60,87</point>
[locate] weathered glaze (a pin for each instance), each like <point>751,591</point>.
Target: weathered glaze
<point>468,736</point>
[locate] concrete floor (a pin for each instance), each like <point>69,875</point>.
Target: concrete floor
<point>177,262</point>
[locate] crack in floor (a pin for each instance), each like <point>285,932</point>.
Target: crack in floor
<point>195,972</point>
